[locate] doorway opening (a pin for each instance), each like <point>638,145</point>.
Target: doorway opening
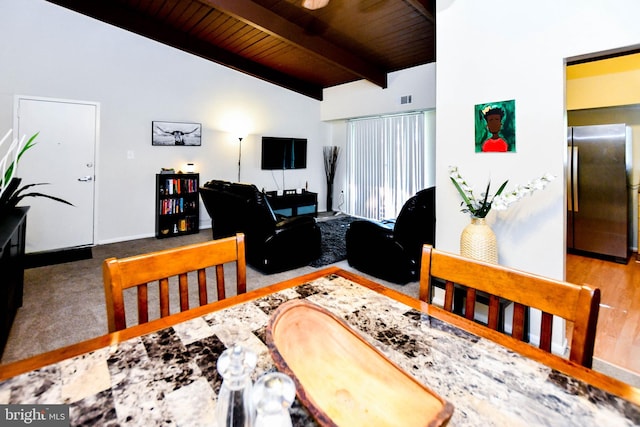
<point>597,93</point>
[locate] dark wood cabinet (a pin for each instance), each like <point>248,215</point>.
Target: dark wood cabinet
<point>292,203</point>
<point>177,204</point>
<point>13,227</point>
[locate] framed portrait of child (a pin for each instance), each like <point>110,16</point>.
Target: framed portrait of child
<point>495,127</point>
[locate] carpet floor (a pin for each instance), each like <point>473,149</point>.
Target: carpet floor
<point>64,303</point>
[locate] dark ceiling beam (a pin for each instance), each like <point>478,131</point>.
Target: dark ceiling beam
<point>425,7</point>
<point>115,14</point>
<point>262,18</point>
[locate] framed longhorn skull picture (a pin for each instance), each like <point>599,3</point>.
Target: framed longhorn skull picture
<point>176,134</point>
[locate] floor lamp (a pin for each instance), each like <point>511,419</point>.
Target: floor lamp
<point>239,156</point>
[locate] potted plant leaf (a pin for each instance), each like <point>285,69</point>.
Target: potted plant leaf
<point>10,192</point>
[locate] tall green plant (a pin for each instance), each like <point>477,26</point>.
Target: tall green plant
<point>12,195</point>
<point>9,172</point>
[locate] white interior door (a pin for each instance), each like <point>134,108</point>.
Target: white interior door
<point>64,156</point>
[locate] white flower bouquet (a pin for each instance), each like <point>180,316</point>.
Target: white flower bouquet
<point>479,207</point>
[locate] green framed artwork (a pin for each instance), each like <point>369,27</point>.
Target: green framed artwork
<point>495,127</point>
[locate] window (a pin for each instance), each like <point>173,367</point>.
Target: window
<point>388,159</point>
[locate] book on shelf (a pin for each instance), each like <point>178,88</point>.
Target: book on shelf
<point>177,206</point>
<point>174,186</point>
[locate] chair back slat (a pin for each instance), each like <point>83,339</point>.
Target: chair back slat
<point>546,330</point>
<point>183,284</point>
<point>517,324</point>
<point>140,270</point>
<point>202,286</point>
<point>143,305</point>
<point>220,282</point>
<point>164,297</point>
<point>494,312</point>
<point>470,305</point>
<point>448,297</point>
<point>576,304</point>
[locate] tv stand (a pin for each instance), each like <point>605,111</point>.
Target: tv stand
<point>291,203</point>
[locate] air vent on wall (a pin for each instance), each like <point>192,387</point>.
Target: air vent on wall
<point>405,99</point>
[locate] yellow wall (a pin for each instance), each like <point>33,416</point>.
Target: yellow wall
<point>604,83</point>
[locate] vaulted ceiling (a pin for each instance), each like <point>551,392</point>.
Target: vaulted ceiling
<point>282,42</point>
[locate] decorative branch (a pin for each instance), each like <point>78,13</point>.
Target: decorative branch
<point>331,154</point>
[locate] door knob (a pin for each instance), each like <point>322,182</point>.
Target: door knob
<point>85,178</point>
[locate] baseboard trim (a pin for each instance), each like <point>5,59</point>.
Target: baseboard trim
<point>125,239</point>
<point>138,237</point>
<point>623,374</point>
<point>41,259</point>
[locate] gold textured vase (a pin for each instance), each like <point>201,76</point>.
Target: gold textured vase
<point>478,241</point>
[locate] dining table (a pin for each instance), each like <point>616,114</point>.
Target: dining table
<point>164,372</point>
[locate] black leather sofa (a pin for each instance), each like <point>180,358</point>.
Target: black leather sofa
<point>272,244</point>
<point>392,251</point>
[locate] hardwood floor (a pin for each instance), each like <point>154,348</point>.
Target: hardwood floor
<point>618,332</point>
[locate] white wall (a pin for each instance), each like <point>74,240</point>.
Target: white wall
<point>52,52</point>
<point>363,99</point>
<point>499,50</point>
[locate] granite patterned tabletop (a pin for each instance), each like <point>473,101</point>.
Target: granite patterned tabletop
<point>170,377</point>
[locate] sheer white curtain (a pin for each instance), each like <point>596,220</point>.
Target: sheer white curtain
<point>386,163</point>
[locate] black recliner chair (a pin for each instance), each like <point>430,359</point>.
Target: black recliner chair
<point>272,244</point>
<point>392,251</point>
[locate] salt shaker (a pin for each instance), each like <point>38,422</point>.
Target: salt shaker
<point>272,396</point>
<point>234,409</point>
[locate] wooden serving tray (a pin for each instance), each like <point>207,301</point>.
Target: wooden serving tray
<point>341,379</point>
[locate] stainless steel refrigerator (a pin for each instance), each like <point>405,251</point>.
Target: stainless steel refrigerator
<point>598,167</point>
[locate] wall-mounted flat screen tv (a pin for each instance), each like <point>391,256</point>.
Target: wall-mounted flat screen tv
<point>283,153</point>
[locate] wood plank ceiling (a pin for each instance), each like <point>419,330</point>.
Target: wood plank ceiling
<point>282,42</point>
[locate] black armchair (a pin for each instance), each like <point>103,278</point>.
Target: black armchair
<point>392,251</point>
<point>272,244</point>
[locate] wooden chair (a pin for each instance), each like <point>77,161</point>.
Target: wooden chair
<point>138,271</point>
<point>577,304</point>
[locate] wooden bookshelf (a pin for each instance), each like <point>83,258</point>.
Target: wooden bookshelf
<point>177,204</point>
